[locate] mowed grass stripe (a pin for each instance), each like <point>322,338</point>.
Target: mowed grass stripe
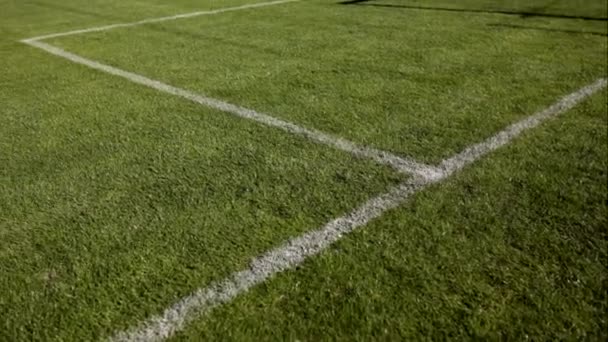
<point>392,79</point>
<point>513,247</point>
<point>117,200</point>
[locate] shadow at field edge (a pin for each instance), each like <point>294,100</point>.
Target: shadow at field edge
<point>523,14</point>
<point>521,27</point>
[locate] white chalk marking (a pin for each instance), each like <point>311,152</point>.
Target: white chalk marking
<point>158,20</point>
<point>287,256</point>
<point>402,164</point>
<point>502,138</point>
<point>294,252</point>
<point>399,163</point>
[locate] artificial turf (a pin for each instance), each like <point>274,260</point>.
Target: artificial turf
<point>117,200</point>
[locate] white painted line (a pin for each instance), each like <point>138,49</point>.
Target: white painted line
<point>287,256</point>
<point>476,151</point>
<point>158,20</point>
<point>399,163</point>
<point>294,252</point>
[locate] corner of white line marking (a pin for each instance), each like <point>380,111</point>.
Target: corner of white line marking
<point>433,174</point>
<point>311,243</point>
<point>160,19</point>
<point>277,260</point>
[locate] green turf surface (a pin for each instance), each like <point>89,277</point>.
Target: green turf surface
<point>513,248</point>
<point>117,200</point>
<point>419,83</point>
<point>23,19</point>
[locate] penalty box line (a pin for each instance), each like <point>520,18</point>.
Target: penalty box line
<point>401,164</point>
<point>294,252</point>
<point>158,20</point>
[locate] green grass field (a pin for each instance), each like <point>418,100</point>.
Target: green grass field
<point>118,200</point>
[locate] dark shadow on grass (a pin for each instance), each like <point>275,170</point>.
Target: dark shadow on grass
<point>523,14</point>
<point>522,27</point>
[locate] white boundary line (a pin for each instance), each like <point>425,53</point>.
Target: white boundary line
<point>284,257</point>
<point>399,163</point>
<point>294,252</point>
<point>502,138</point>
<point>158,20</point>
